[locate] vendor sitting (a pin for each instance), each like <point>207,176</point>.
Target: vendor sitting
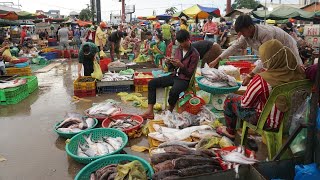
<point>4,58</point>
<point>281,67</point>
<point>87,54</point>
<point>183,66</point>
<point>158,49</point>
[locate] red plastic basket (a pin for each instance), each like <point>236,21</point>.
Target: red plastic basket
<point>67,54</point>
<point>104,64</point>
<point>100,118</point>
<point>244,66</point>
<point>190,108</point>
<point>107,121</point>
<point>230,148</point>
<point>21,60</point>
<point>142,81</point>
<point>85,93</point>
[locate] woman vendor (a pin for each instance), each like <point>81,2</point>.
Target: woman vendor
<point>159,49</point>
<point>281,67</point>
<point>183,23</point>
<point>132,42</point>
<point>183,66</point>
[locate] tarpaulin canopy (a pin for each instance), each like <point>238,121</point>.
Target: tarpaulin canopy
<point>142,17</point>
<point>179,15</point>
<point>83,23</point>
<point>201,12</point>
<point>163,17</point>
<point>284,12</point>
<point>151,17</point>
<point>22,15</point>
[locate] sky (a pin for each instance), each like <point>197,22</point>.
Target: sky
<point>143,7</point>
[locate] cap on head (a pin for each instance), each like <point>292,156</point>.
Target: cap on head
<point>103,24</point>
<point>183,18</point>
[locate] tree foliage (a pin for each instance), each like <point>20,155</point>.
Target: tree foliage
<point>249,4</point>
<point>85,15</point>
<point>171,10</point>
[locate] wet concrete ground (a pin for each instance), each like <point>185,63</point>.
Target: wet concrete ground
<point>27,140</point>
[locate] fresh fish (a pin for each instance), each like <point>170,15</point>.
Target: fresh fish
<point>90,122</point>
<point>76,130</point>
<point>114,142</point>
<point>185,162</point>
<point>102,149</point>
<point>107,173</point>
<point>157,136</point>
<point>236,169</point>
<point>166,165</point>
<point>68,122</point>
<point>182,143</point>
<point>80,151</point>
<point>102,170</point>
<point>204,133</point>
<point>157,151</point>
<point>197,170</point>
<point>64,130</point>
<point>237,157</point>
<point>185,133</point>
<point>162,129</point>
<point>123,124</point>
<point>159,158</point>
<point>163,174</point>
<point>93,176</point>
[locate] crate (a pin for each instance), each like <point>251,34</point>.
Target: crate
<point>114,89</point>
<point>85,93</point>
<point>13,95</point>
<point>244,66</point>
<point>50,55</point>
<point>32,83</point>
<point>26,71</point>
<point>140,88</point>
<point>142,81</point>
<point>84,85</point>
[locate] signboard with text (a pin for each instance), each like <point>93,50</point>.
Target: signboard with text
<point>311,30</point>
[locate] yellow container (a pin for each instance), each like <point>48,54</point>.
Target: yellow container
<point>84,85</point>
<point>26,71</point>
<point>141,88</point>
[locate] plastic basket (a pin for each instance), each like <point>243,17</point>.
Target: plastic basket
<point>32,83</point>
<point>107,121</point>
<point>85,93</point>
<point>142,81</point>
<point>26,71</point>
<point>104,64</point>
<point>216,90</point>
<point>21,60</point>
<point>50,55</point>
<point>100,118</point>
<point>97,134</point>
<point>244,66</point>
<point>84,174</point>
<point>84,85</point>
<point>13,95</point>
<point>140,88</point>
<point>194,109</point>
<point>114,89</point>
<point>21,65</point>
<point>70,135</point>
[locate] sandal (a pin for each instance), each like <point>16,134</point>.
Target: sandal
<point>147,116</point>
<point>219,130</point>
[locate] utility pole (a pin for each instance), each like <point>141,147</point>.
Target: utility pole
<point>98,4</point>
<point>92,4</point>
<point>123,17</point>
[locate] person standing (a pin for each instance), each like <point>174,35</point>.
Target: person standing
<point>23,35</point>
<point>91,34</point>
<point>76,37</point>
<point>101,36</point>
<point>87,54</point>
<point>166,31</point>
<point>183,23</point>
<point>223,30</point>
<point>254,36</point>
<point>210,29</point>
<point>63,35</point>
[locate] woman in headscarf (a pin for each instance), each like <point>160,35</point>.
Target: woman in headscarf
<point>281,67</point>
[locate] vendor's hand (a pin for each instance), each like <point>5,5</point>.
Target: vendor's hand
<point>246,81</point>
<point>215,62</point>
<point>177,63</point>
<point>79,74</point>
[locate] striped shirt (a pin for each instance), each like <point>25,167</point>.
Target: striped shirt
<point>256,96</point>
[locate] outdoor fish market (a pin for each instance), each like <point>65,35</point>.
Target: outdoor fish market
<point>103,90</point>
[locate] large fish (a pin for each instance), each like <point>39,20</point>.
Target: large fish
<point>166,165</point>
<point>197,170</point>
<point>163,174</point>
<point>159,158</point>
<point>188,161</point>
<point>100,172</point>
<point>182,143</point>
<point>237,157</point>
<point>68,122</point>
<point>204,133</point>
<point>185,133</point>
<point>162,129</point>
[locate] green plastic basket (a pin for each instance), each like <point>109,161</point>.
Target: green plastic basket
<point>70,135</point>
<point>32,82</point>
<point>98,133</point>
<point>216,90</point>
<point>85,173</point>
<point>13,95</point>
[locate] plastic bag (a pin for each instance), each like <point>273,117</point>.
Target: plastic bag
<point>102,54</point>
<point>309,171</point>
<point>204,95</point>
<point>97,73</point>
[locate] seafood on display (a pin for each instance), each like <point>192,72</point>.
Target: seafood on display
<point>75,123</point>
<point>109,76</point>
<point>217,78</point>
<point>238,156</point>
<point>122,124</point>
<point>105,145</point>
<point>13,83</point>
<point>123,170</point>
<point>104,109</point>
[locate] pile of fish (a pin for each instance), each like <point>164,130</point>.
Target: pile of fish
<point>104,109</point>
<point>123,123</point>
<point>123,170</point>
<point>86,79</point>
<point>12,83</point>
<point>216,78</point>
<point>205,116</point>
<point>177,120</point>
<point>175,161</point>
<point>105,145</point>
<point>165,134</point>
<point>116,64</point>
<point>109,76</point>
<point>75,123</point>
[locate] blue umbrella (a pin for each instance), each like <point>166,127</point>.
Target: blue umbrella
<point>163,17</point>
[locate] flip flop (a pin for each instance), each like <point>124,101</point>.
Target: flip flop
<point>220,132</point>
<point>147,116</point>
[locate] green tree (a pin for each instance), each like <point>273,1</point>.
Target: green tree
<point>249,4</point>
<point>85,15</point>
<point>171,10</point>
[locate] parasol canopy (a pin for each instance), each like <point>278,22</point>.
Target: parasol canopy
<point>22,15</point>
<point>179,15</point>
<point>163,17</point>
<point>83,23</point>
<point>284,12</point>
<point>151,18</point>
<point>201,12</point>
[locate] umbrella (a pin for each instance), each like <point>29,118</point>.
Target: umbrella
<point>163,16</point>
<point>284,12</point>
<point>83,23</point>
<point>142,18</point>
<point>201,11</point>
<point>22,15</point>
<point>179,15</point>
<point>151,18</point>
